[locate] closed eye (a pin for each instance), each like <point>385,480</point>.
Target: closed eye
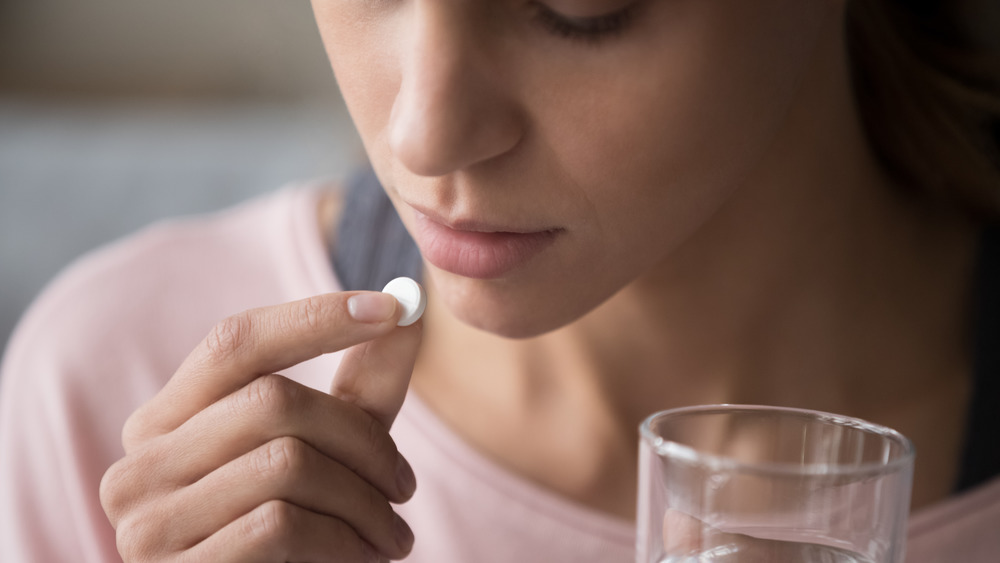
<point>587,29</point>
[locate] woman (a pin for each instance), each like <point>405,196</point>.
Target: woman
<point>621,206</point>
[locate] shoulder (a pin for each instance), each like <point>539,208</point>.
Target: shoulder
<point>138,305</point>
<point>105,336</point>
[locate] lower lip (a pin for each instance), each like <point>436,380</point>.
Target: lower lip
<point>475,254</point>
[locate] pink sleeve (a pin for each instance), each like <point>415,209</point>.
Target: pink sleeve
<point>54,448</point>
<point>107,335</point>
<point>95,345</point>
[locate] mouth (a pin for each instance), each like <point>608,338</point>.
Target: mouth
<point>477,249</point>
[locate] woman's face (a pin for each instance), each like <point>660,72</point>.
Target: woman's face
<point>546,154</point>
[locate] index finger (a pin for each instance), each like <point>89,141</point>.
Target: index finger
<point>262,341</point>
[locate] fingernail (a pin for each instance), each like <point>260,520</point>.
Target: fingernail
<point>404,536</point>
<point>405,479</point>
<point>372,307</point>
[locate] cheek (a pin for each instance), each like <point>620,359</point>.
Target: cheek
<point>672,135</point>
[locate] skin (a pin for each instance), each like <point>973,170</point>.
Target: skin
<point>484,123</point>
<point>727,234</point>
<point>723,234</point>
<point>283,487</point>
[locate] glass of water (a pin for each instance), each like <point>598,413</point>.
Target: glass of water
<point>741,483</point>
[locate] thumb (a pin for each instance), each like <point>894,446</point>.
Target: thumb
<point>374,375</point>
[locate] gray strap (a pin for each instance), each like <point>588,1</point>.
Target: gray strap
<point>981,455</point>
<point>372,246</point>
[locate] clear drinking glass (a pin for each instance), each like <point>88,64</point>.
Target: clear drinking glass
<point>736,483</point>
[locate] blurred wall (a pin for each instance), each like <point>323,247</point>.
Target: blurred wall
<point>117,113</point>
<point>168,48</point>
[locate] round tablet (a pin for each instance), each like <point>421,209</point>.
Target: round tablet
<point>411,298</point>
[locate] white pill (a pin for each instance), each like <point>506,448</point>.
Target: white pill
<point>411,298</point>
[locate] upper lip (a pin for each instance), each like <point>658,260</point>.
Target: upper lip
<point>472,225</point>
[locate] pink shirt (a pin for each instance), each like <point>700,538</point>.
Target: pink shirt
<point>108,333</point>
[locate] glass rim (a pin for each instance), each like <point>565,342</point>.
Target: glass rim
<point>717,462</point>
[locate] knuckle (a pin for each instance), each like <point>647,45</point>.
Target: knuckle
<point>268,523</point>
<point>132,538</point>
<point>229,336</point>
<point>136,430</point>
<point>374,437</point>
<point>365,550</point>
<point>131,433</point>
<point>281,457</point>
<point>310,313</point>
<point>110,491</point>
<point>126,541</point>
<point>378,505</point>
<point>128,483</point>
<point>119,489</point>
<point>270,395</point>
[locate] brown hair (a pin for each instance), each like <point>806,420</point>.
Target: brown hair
<point>929,97</point>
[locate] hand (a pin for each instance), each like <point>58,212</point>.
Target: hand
<point>230,462</point>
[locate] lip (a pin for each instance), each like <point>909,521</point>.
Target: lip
<point>477,250</point>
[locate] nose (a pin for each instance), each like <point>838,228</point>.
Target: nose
<point>452,109</point>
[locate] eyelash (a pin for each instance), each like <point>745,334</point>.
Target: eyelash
<point>588,30</point>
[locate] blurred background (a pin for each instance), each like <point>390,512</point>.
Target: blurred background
<point>114,113</point>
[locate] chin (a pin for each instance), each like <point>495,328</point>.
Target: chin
<point>506,326</point>
<point>508,309</point>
